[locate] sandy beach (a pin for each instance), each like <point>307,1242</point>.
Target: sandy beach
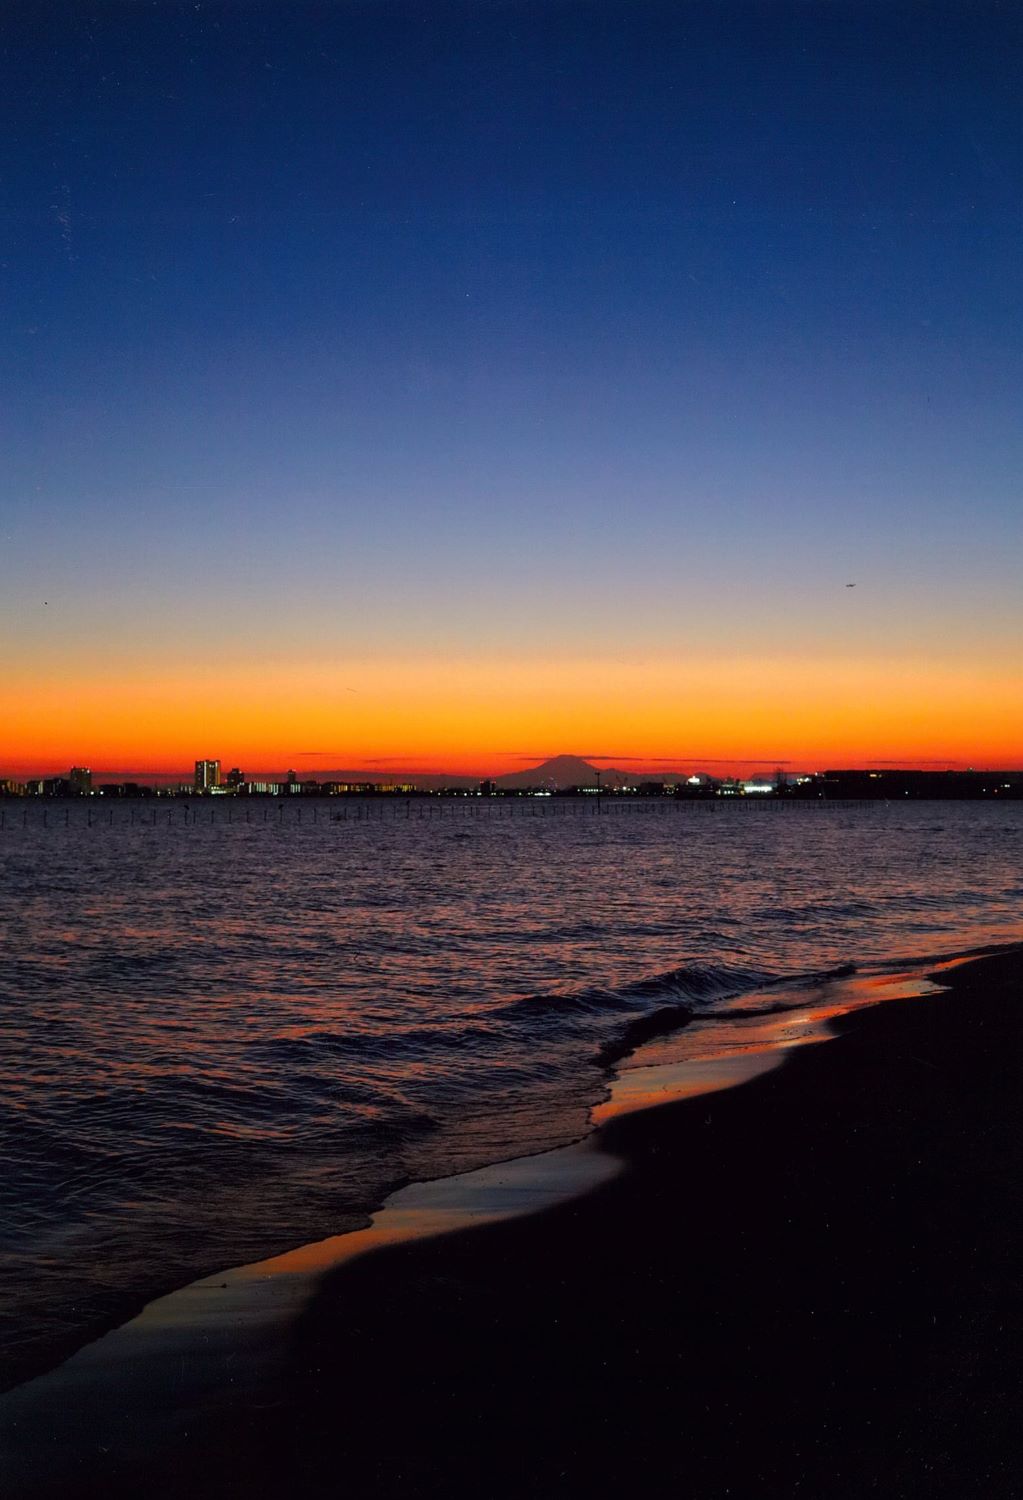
<point>805,1285</point>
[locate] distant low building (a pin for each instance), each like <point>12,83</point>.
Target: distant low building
<point>897,784</point>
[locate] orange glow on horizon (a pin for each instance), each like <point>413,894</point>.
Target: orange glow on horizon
<point>475,716</point>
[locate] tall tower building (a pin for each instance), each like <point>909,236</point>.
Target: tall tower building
<point>207,774</point>
<point>80,778</point>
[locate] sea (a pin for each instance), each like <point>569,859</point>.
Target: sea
<point>230,1030</point>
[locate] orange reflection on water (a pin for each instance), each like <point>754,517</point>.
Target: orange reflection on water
<point>735,1048</point>
<point>665,1083</point>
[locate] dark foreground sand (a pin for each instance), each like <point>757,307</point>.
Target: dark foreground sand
<point>808,1285</point>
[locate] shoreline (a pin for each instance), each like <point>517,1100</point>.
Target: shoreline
<point>616,1129</point>
<point>649,1049</point>
<point>804,1284</point>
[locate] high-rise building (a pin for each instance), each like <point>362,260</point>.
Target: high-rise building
<point>207,775</point>
<point>80,778</point>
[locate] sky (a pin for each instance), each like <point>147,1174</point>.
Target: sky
<point>447,386</point>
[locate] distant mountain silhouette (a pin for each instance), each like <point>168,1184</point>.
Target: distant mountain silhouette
<point>571,770</point>
<point>556,774</point>
<point>559,771</point>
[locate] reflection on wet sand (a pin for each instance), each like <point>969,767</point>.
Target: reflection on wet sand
<point>218,1341</point>
<point>747,1038</point>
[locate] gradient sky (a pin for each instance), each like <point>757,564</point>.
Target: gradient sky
<point>451,385</point>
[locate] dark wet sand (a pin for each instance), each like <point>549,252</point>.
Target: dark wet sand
<point>809,1285</point>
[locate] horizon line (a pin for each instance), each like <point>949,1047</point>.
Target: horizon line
<point>382,768</point>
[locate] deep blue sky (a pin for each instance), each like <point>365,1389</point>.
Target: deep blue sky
<point>497,325</point>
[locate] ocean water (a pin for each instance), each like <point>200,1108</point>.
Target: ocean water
<point>225,1033</point>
